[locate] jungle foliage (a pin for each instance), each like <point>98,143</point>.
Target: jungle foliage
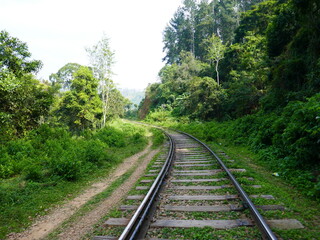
<point>55,135</point>
<point>50,163</point>
<point>74,96</point>
<point>24,101</point>
<point>263,88</point>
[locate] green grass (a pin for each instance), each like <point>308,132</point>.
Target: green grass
<point>158,137</point>
<point>100,229</point>
<point>297,205</point>
<point>23,199</point>
<point>202,215</point>
<point>206,233</point>
<point>91,204</point>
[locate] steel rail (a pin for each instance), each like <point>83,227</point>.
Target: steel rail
<point>136,222</point>
<point>263,226</point>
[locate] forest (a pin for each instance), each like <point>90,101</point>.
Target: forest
<point>247,72</point>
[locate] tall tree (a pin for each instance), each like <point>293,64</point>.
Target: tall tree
<point>81,106</point>
<point>102,59</point>
<point>176,37</point>
<point>190,9</point>
<point>205,26</point>
<point>15,56</point>
<point>198,20</point>
<point>64,75</point>
<point>24,101</point>
<point>215,52</point>
<point>117,104</point>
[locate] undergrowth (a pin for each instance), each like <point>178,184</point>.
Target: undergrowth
<point>286,142</point>
<point>50,164</point>
<point>157,137</point>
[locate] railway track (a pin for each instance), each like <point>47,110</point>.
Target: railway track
<point>191,194</point>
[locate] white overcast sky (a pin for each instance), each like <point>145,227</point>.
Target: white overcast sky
<point>57,32</point>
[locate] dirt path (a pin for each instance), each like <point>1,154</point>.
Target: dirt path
<point>42,227</point>
<point>85,224</point>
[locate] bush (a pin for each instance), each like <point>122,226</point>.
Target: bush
<point>20,146</point>
<point>44,133</point>
<point>6,170</point>
<point>33,172</point>
<point>111,136</point>
<point>49,151</point>
<point>159,115</point>
<point>137,138</point>
<point>157,137</point>
<point>42,165</point>
<point>67,167</point>
<point>95,151</point>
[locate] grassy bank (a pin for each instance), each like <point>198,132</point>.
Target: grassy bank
<point>290,188</point>
<point>286,142</point>
<point>297,205</point>
<point>50,165</point>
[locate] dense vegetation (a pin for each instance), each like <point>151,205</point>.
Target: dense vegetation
<point>48,153</point>
<point>78,96</point>
<point>56,135</point>
<point>250,69</point>
<point>50,164</point>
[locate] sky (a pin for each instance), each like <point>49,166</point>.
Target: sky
<point>58,31</point>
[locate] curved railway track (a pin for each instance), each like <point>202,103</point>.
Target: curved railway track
<point>191,188</point>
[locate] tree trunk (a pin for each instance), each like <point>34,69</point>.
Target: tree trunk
<point>104,112</point>
<point>218,81</point>
<point>105,101</point>
<point>107,97</point>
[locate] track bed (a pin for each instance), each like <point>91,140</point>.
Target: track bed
<point>199,198</point>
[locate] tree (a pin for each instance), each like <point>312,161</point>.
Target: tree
<point>190,9</point>
<point>15,57</point>
<point>205,26</point>
<point>65,75</point>
<point>81,106</point>
<point>24,101</point>
<point>198,20</point>
<point>293,40</point>
<point>255,20</point>
<point>176,37</point>
<point>101,59</point>
<point>215,52</point>
<point>117,104</point>
<point>203,99</point>
<point>225,19</point>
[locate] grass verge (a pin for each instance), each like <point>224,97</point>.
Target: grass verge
<point>41,180</point>
<point>297,205</point>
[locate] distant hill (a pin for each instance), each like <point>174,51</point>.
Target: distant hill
<point>134,95</point>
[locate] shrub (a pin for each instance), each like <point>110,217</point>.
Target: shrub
<point>7,166</point>
<point>111,136</point>
<point>158,137</point>
<point>67,167</point>
<point>94,151</point>
<point>44,133</point>
<point>159,115</point>
<point>33,172</point>
<point>19,146</point>
<point>6,170</point>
